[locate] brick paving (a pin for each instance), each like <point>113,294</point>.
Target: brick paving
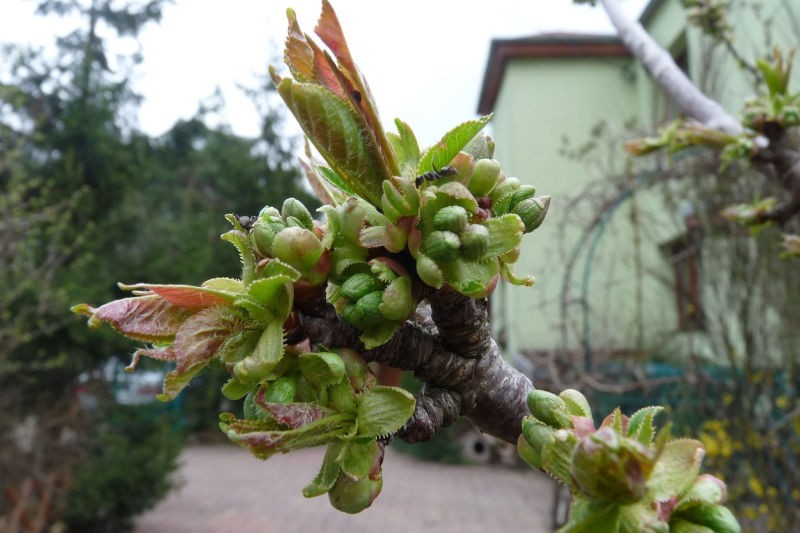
<point>226,490</point>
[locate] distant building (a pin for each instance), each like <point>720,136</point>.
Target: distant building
<point>611,280</point>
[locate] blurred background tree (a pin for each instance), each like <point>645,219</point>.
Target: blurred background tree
<point>86,201</point>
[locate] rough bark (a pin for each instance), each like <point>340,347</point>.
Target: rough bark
<point>454,356</point>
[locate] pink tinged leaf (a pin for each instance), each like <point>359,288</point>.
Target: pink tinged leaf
<point>196,343</point>
<point>583,426</point>
<point>145,318</point>
<point>318,184</point>
<point>264,440</point>
<point>162,354</point>
<point>295,415</point>
<point>328,75</point>
<point>298,54</point>
<point>330,31</point>
<point>185,296</point>
<point>307,61</point>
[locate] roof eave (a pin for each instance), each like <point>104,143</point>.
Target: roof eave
<point>502,51</point>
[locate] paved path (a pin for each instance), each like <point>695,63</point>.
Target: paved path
<point>226,490</point>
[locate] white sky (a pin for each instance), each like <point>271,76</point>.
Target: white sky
<point>424,59</point>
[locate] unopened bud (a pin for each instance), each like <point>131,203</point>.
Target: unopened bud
<point>451,218</point>
<point>484,177</point>
<point>532,211</point>
<point>474,242</point>
<point>442,245</point>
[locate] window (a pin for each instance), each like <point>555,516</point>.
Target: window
<point>683,254</point>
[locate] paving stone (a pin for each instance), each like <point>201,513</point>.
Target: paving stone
<point>225,489</point>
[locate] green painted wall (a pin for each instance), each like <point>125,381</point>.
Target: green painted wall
<point>541,103</point>
<point>618,293</point>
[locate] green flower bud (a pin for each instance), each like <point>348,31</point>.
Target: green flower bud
<point>298,247</point>
<point>264,231</point>
<point>523,193</point>
<point>609,468</point>
<point>354,496</point>
<point>282,390</point>
<point>452,218</point>
<point>462,163</point>
<point>532,211</point>
<point>537,433</point>
<point>365,313</point>
<point>484,177</point>
<point>360,285</point>
<point>429,272</point>
<point>295,208</point>
<point>474,242</point>
<point>369,307</point>
<point>715,517</point>
<point>549,408</point>
<point>529,454</point>
<point>442,245</point>
<point>269,212</point>
<point>502,194</point>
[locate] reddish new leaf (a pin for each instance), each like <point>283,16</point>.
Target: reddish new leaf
<point>147,318</point>
<point>330,31</point>
<point>298,54</point>
<point>186,296</point>
<point>264,440</point>
<point>295,415</point>
<point>196,343</point>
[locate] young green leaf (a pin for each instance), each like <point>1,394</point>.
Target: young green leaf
<point>328,472</point>
<point>640,425</point>
<point>383,410</point>
<point>243,245</point>
<point>590,516</point>
<point>676,467</point>
<point>338,135</point>
<point>406,147</point>
<point>576,403</point>
<point>358,458</point>
<point>440,154</point>
<point>321,368</point>
<point>266,355</point>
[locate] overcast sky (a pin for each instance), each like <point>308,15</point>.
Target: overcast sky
<point>423,59</point>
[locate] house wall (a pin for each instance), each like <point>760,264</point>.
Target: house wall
<point>611,285</point>
<point>541,103</point>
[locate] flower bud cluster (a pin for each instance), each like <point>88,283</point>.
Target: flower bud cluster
<point>291,237</point>
<point>377,294</point>
<point>325,398</point>
<point>621,474</point>
<point>470,224</point>
<point>780,109</point>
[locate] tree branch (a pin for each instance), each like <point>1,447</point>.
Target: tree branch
<point>660,65</point>
<point>476,383</point>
